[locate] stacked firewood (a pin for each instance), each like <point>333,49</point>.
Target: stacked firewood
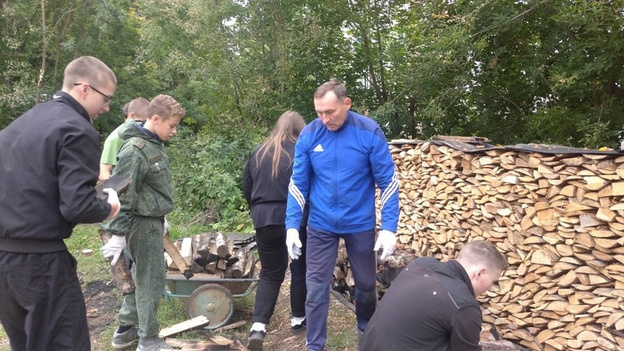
<point>215,253</point>
<point>387,269</point>
<point>558,216</point>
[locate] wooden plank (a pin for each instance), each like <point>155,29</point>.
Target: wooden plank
<point>214,343</point>
<point>197,322</point>
<point>231,326</point>
<point>172,250</point>
<point>116,182</point>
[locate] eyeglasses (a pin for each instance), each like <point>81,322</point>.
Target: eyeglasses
<point>107,98</point>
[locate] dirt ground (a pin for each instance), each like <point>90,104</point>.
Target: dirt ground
<point>102,306</point>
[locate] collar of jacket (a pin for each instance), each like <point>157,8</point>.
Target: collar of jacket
<point>462,273</point>
<point>149,132</point>
<point>67,99</point>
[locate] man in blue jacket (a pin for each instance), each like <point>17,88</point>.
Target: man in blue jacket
<point>339,158</point>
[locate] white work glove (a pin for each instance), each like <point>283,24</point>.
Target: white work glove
<point>293,243</point>
<point>387,239</point>
<point>113,200</point>
<point>167,226</point>
<point>114,247</point>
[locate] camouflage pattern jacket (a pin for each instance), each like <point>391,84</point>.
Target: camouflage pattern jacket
<point>143,159</point>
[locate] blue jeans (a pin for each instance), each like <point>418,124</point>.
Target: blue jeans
<point>322,249</point>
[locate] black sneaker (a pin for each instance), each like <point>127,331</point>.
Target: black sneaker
<point>256,338</point>
<point>298,328</point>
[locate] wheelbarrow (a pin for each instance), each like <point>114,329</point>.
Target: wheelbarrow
<point>210,296</point>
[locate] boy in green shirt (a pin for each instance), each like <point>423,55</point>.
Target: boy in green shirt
<point>134,110</point>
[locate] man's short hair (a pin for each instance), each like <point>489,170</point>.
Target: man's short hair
<point>124,110</point>
<point>88,69</point>
<point>140,107</point>
<point>482,252</point>
<point>332,85</point>
<point>166,107</point>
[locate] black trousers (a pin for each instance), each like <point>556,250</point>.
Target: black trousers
<point>271,241</point>
<point>41,302</point>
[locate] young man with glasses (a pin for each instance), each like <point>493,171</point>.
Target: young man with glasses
<point>48,171</point>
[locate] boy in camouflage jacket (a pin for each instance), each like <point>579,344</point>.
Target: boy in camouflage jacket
<point>139,226</point>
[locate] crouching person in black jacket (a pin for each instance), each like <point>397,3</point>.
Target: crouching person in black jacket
<point>432,305</point>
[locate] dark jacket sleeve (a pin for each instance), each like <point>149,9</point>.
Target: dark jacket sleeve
<point>248,180</point>
<point>466,329</point>
<point>77,175</point>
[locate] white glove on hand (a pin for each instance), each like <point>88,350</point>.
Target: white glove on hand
<point>387,239</point>
<point>113,200</point>
<point>293,243</point>
<point>114,247</point>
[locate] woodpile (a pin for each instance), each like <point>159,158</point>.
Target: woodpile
<point>344,283</point>
<point>223,256</point>
<point>556,213</point>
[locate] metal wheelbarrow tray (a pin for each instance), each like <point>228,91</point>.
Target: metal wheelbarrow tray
<point>208,295</point>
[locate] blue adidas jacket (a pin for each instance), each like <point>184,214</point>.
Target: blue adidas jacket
<point>338,171</point>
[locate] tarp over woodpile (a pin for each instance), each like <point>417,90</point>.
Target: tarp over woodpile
<point>477,144</point>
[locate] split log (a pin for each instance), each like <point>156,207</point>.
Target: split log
<point>214,253</point>
<point>121,273</point>
<point>224,246</point>
<point>238,268</point>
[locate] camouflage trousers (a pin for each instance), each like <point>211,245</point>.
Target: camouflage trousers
<point>145,247</point>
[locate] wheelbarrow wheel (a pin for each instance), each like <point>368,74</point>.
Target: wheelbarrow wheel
<point>213,301</point>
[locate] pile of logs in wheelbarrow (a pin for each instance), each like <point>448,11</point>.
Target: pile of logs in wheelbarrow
<point>226,256</point>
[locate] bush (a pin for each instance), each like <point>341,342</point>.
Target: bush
<point>207,177</point>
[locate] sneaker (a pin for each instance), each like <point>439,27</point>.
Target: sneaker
<point>125,339</point>
<point>256,338</point>
<point>153,344</point>
<point>298,328</point>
